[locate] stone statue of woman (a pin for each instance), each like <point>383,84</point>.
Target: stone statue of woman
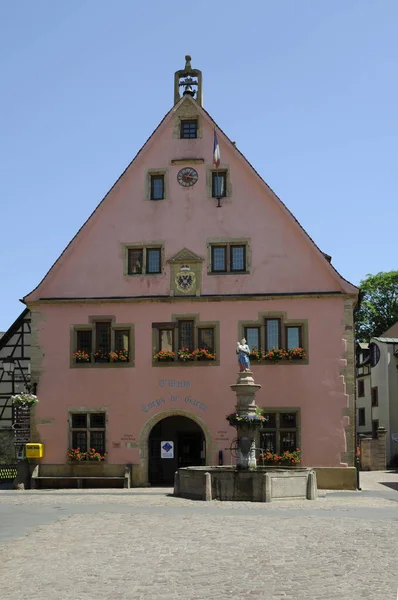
<point>243,352</point>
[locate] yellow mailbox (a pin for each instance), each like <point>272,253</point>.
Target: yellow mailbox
<point>34,450</point>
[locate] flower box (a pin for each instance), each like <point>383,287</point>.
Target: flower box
<point>100,359</point>
<point>275,355</point>
<point>286,459</point>
<point>80,356</point>
<point>119,356</point>
<point>91,456</point>
<point>204,354</point>
<point>184,354</point>
<point>164,355</point>
<point>297,354</point>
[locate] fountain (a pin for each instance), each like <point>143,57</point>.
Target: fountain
<point>246,481</point>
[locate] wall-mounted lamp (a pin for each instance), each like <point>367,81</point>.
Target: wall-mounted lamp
<point>8,365</point>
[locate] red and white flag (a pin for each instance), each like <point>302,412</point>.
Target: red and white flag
<point>216,151</point>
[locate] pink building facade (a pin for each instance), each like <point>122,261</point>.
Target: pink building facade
<point>159,265</point>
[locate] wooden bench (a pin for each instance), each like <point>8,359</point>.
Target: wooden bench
<point>37,477</point>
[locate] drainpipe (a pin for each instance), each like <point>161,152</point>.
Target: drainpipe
<point>357,445</point>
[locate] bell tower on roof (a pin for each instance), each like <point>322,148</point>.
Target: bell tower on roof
<point>191,82</point>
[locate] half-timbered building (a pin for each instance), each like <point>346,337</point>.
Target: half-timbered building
<point>14,379</point>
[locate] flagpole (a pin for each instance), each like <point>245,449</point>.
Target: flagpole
<point>217,165</point>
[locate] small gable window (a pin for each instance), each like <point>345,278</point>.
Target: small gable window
<point>228,258</point>
<point>219,184</point>
<point>135,261</point>
<point>189,129</point>
<point>142,261</point>
<point>153,260</point>
<point>238,258</point>
<point>218,259</point>
<point>157,187</point>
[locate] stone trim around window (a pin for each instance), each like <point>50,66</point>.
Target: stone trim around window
<point>159,171</point>
<point>223,168</point>
<point>91,326</point>
<point>186,112</point>
<point>125,247</point>
<point>198,324</point>
<point>86,410</point>
<point>260,322</point>
<point>228,242</point>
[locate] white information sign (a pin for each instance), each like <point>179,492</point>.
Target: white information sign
<point>167,449</point>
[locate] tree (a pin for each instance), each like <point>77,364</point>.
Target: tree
<point>378,305</point>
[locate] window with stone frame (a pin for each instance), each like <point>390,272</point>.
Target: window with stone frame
<point>100,340</point>
<point>189,129</point>
<point>273,332</point>
<point>228,258</point>
<point>206,338</point>
<point>252,336</point>
<point>361,417</point>
<point>184,334</point>
<point>361,388</point>
<point>166,339</point>
<point>280,431</point>
<point>87,430</point>
<point>273,329</point>
<point>122,340</point>
<point>84,341</point>
<point>103,337</point>
<point>219,184</point>
<point>293,336</point>
<point>145,260</point>
<point>186,338</point>
<point>157,186</point>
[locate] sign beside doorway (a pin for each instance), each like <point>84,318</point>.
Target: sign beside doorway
<point>167,449</point>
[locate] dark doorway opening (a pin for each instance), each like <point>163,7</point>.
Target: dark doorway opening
<point>189,448</point>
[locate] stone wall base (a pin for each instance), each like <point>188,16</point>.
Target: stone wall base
<point>7,448</point>
<point>336,478</point>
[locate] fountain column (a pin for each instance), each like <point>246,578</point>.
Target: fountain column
<point>248,430</point>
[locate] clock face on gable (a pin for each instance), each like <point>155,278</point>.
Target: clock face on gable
<point>187,176</point>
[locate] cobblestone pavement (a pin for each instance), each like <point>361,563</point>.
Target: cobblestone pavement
<point>144,544</point>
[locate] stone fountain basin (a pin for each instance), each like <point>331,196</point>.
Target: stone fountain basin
<point>263,484</point>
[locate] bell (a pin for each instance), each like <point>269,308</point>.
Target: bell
<point>188,91</point>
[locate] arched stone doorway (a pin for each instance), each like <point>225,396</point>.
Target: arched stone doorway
<point>189,447</point>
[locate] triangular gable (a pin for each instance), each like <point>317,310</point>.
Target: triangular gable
<point>185,255</point>
<point>345,286</point>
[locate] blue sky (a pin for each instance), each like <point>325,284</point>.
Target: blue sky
<point>308,90</point>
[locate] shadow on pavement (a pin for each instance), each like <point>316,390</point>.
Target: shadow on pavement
<point>393,484</point>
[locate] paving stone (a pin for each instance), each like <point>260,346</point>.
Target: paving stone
<point>148,545</point>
